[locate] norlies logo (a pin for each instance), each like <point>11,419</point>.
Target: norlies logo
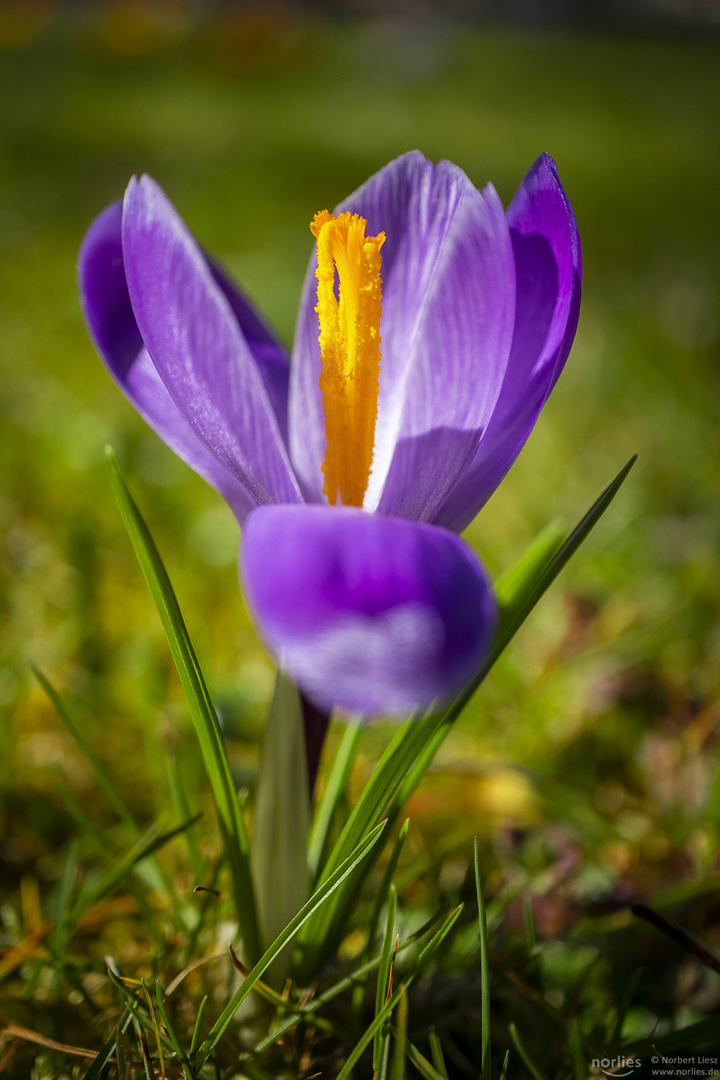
<point>615,1066</point>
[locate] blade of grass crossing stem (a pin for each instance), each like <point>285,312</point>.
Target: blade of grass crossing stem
<point>202,711</point>
<point>397,1072</point>
<point>423,959</point>
<point>518,591</point>
<point>378,904</point>
<point>437,1053</point>
<point>335,787</point>
<point>321,933</point>
<point>484,970</point>
<point>357,977</point>
<point>383,988</point>
<point>531,1065</point>
<point>319,897</point>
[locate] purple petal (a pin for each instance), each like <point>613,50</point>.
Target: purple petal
<point>111,322</point>
<point>449,308</point>
<point>548,264</point>
<point>197,347</point>
<point>374,615</point>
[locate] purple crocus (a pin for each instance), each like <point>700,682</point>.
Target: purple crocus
<point>433,325</point>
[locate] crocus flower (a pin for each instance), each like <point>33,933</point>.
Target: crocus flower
<point>432,327</point>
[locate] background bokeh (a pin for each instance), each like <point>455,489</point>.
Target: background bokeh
<point>599,722</point>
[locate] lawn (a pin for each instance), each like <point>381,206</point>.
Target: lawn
<point>587,764</point>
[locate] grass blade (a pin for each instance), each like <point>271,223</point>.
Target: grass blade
<point>397,1072</point>
<point>182,1057</point>
<point>378,904</point>
<point>195,1041</point>
<point>335,787</point>
<point>319,897</point>
<point>98,1066</point>
<point>383,989</point>
<point>516,602</point>
<point>437,1054</point>
<point>484,970</point>
<point>530,1064</point>
<point>127,863</point>
<point>202,711</point>
<point>104,782</point>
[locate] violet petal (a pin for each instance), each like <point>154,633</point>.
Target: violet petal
<point>548,265</point>
<point>197,348</point>
<point>373,615</point>
<point>109,316</point>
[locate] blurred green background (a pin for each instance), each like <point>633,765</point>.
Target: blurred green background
<point>601,716</point>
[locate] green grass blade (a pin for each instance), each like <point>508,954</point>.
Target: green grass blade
<point>202,711</point>
<point>335,787</point>
<point>195,1041</point>
<point>506,1062</point>
<point>99,1064</point>
<point>437,1054</point>
<point>615,1033</point>
<point>517,597</point>
<point>104,782</point>
<point>128,862</point>
<point>484,969</point>
<point>182,1057</point>
<point>423,1066</point>
<point>397,1072</point>
<point>512,585</point>
<point>382,991</point>
<point>386,882</point>
<point>532,1066</point>
<point>64,893</point>
<point>319,897</point>
<point>182,806</point>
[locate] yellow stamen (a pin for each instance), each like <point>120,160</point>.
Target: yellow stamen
<point>349,348</point>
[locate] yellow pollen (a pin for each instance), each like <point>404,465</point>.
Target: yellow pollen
<point>349,349</point>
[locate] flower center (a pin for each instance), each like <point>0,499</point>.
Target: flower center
<point>349,349</point>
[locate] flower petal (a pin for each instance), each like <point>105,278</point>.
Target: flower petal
<point>448,315</point>
<point>371,614</point>
<point>108,313</point>
<point>196,345</point>
<point>548,265</point>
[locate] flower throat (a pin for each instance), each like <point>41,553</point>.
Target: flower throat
<point>349,349</point>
